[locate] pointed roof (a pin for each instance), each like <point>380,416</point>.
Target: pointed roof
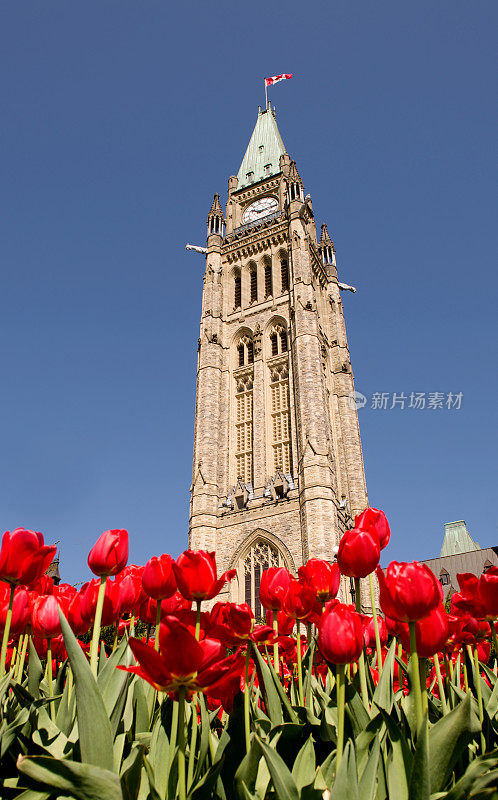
<point>325,238</point>
<point>265,148</point>
<point>457,539</point>
<point>216,208</point>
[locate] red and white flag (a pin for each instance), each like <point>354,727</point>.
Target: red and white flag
<point>276,78</point>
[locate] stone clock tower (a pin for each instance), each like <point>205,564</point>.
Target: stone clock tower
<point>278,468</point>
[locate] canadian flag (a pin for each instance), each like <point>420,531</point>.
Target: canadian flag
<point>276,78</point>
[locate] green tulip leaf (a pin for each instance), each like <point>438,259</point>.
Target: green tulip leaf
<point>383,695</point>
<point>271,697</point>
<point>368,780</point>
<point>35,671</point>
<point>346,782</point>
<point>94,728</point>
<point>304,767</point>
<point>447,740</point>
<point>83,781</point>
<point>283,782</point>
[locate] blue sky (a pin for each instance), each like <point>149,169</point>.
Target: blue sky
<point>120,121</point>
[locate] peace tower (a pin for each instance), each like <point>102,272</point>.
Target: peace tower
<point>278,468</point>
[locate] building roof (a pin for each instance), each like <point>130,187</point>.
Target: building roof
<point>265,148</point>
<point>457,539</point>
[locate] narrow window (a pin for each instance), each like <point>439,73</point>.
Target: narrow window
<point>284,275</point>
<point>254,286</point>
<point>267,169</point>
<point>250,177</point>
<point>243,435</point>
<point>250,353</point>
<point>274,344</point>
<point>240,351</point>
<point>283,342</point>
<point>281,425</point>
<point>237,291</point>
<point>261,148</point>
<point>268,281</point>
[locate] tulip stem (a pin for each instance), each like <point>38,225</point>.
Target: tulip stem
<point>415,675</point>
<point>299,663</point>
<point>493,636</point>
<point>158,623</point>
<point>193,742</point>
<point>341,696</point>
<point>361,660</point>
<point>94,648</point>
<point>400,668</point>
<point>247,727</point>
<point>181,743</point>
<point>440,685</point>
<point>276,665</point>
<point>376,625</point>
<point>198,621</point>
<point>6,631</point>
<point>50,678</point>
<point>479,698</point>
<point>22,659</point>
<point>423,685</point>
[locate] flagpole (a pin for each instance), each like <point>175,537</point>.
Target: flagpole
<point>266,95</point>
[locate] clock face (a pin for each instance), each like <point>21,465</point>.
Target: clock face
<point>260,209</point>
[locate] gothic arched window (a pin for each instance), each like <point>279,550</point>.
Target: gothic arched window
<point>254,286</point>
<point>284,275</point>
<point>278,340</point>
<point>261,556</point>
<point>268,281</point>
<point>237,292</point>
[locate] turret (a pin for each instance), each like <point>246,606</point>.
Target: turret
<point>326,248</point>
<point>216,220</point>
<point>296,191</point>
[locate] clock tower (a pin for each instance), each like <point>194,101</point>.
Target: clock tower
<point>278,468</point>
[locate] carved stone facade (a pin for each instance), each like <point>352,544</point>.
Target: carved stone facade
<point>278,468</point>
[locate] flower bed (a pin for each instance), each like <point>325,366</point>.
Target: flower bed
<point>322,701</point>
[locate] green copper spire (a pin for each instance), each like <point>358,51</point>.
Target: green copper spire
<point>457,539</point>
<point>264,150</point>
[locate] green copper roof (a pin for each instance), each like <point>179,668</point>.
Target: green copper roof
<point>457,539</point>
<point>265,148</point>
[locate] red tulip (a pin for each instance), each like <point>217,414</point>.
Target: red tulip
<point>89,593</point>
<point>369,631</point>
<point>340,635</point>
<point>359,553</point>
<point>488,592</point>
<point>195,572</point>
<point>408,591</point>
<point>21,609</point>
<point>45,617</point>
<point>109,554</point>
<point>372,519</point>
<point>182,661</point>
<point>273,587</point>
<point>129,588</point>
<point>468,600</point>
<point>323,576</point>
<point>24,556</point>
<point>285,623</point>
<point>78,625</point>
<point>171,606</point>
<point>299,600</point>
<point>431,633</point>
<point>158,578</point>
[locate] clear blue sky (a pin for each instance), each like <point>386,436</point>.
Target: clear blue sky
<point>120,121</point>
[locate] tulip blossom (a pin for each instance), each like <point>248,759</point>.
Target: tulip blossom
<point>369,631</point>
<point>24,557</point>
<point>183,662</point>
<point>158,577</point>
<point>20,609</point>
<point>468,599</point>
<point>408,591</point>
<point>488,592</point>
<point>147,611</point>
<point>323,576</point>
<point>78,625</point>
<point>273,587</point>
<point>340,635</point>
<point>374,520</point>
<point>234,624</point>
<point>285,624</point>
<point>109,554</point>
<point>196,575</point>
<point>299,600</point>
<point>359,553</point>
<point>129,588</point>
<point>45,617</point>
<point>431,633</point>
